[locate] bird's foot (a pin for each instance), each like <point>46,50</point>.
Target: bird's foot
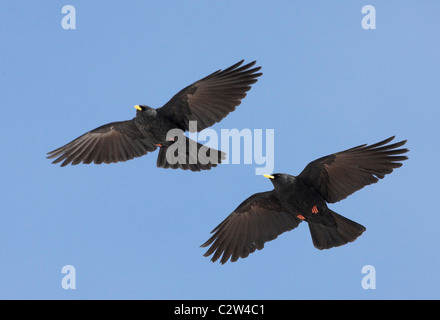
<point>159,145</point>
<point>301,217</point>
<point>315,209</point>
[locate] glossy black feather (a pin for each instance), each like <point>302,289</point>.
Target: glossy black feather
<point>259,219</point>
<point>110,143</point>
<point>212,98</point>
<point>338,175</point>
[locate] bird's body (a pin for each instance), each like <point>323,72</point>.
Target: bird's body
<point>298,196</point>
<point>294,199</point>
<point>303,201</point>
<point>202,104</point>
<point>150,123</point>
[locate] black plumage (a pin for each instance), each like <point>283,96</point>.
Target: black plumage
<point>264,216</point>
<point>206,101</point>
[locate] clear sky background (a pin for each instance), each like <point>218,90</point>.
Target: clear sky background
<point>133,231</point>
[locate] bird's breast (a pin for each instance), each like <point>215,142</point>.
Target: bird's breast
<point>155,126</point>
<point>301,199</point>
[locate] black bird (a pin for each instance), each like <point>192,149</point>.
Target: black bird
<point>206,101</point>
<point>264,216</point>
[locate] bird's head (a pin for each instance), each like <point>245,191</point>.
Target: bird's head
<point>280,180</point>
<point>143,109</point>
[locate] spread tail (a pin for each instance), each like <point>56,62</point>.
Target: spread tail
<point>341,232</point>
<point>189,155</point>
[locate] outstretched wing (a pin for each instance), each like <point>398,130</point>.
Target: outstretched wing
<point>212,98</point>
<point>338,175</point>
<point>259,219</point>
<point>113,142</point>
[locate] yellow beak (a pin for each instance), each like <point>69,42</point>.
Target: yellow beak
<point>138,108</point>
<point>268,176</point>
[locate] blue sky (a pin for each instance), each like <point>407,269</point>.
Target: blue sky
<point>131,230</point>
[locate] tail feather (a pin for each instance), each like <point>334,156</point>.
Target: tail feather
<point>196,157</point>
<point>328,236</point>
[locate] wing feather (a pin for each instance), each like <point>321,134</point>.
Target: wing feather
<point>110,143</point>
<point>212,98</point>
<point>259,219</point>
<point>338,175</point>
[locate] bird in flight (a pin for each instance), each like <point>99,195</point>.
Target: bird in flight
<point>203,103</point>
<point>294,199</point>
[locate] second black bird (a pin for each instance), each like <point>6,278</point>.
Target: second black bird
<point>264,216</point>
